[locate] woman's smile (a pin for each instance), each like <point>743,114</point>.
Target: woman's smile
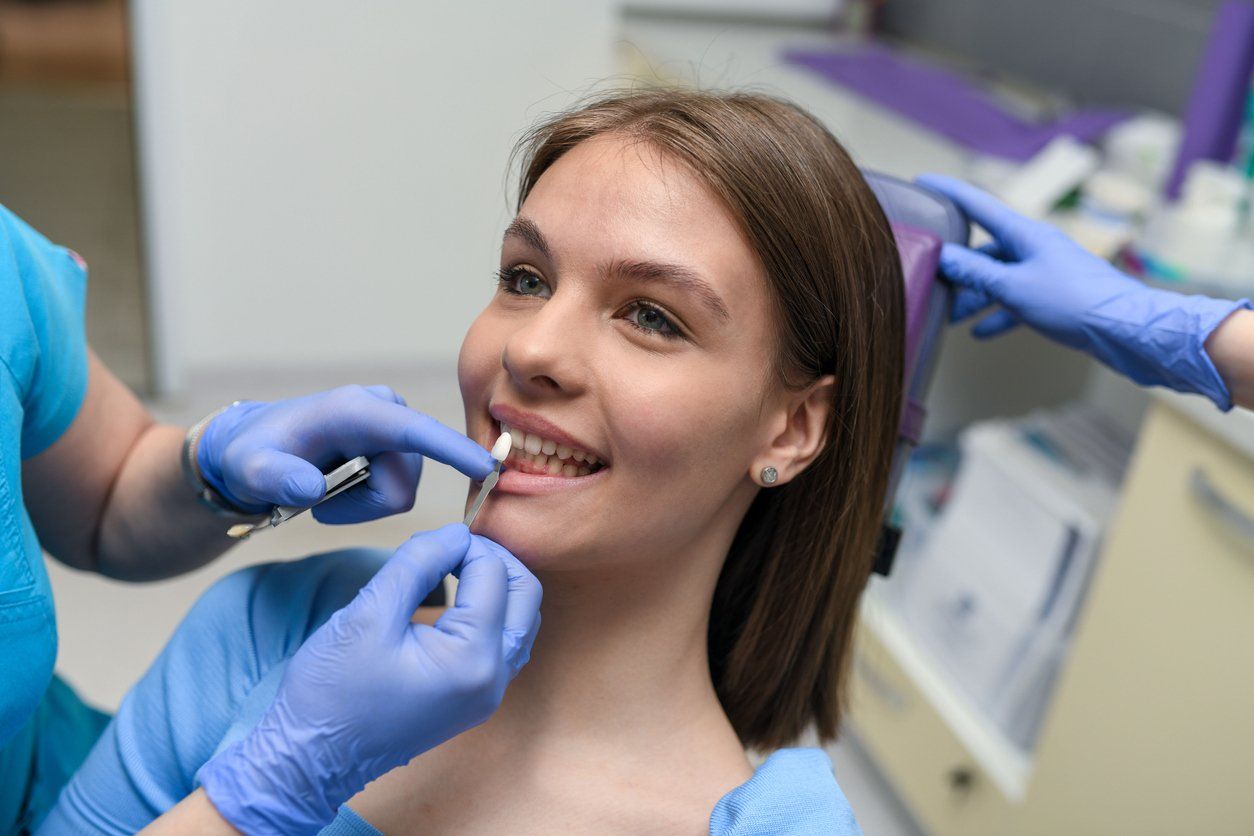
<point>543,457</point>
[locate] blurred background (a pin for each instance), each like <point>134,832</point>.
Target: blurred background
<point>281,197</point>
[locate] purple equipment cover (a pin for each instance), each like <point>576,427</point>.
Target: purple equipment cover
<point>946,102</point>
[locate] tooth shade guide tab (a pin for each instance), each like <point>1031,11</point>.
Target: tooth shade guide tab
<point>500,450</point>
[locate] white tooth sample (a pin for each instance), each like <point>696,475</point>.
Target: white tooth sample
<point>583,471</point>
<point>592,460</point>
<point>580,455</point>
<point>570,470</point>
<point>540,461</point>
<point>563,452</point>
<point>533,444</point>
<point>520,439</point>
<point>500,450</point>
<point>549,447</point>
<point>554,466</point>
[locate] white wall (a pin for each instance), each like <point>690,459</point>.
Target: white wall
<point>807,10</point>
<point>324,181</point>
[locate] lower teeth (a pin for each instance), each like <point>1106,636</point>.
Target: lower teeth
<point>549,465</point>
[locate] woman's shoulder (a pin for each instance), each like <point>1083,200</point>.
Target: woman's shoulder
<point>794,791</point>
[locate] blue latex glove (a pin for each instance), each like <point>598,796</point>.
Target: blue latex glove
<point>369,690</point>
<point>257,455</point>
<point>1036,275</point>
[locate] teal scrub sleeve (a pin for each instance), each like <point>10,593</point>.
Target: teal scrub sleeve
<point>223,664</point>
<point>44,344</point>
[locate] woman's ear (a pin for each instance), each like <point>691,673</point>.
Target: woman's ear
<point>803,435</point>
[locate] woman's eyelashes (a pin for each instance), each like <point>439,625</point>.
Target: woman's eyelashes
<point>521,281</point>
<point>651,319</point>
<point>641,314</point>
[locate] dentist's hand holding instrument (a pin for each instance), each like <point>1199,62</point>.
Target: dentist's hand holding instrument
<point>251,455</point>
<point>1034,274</point>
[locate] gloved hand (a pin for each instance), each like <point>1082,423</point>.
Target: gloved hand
<point>369,690</point>
<point>1039,276</point>
<point>259,454</point>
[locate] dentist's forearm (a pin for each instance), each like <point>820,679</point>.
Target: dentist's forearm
<point>108,496</point>
<point>153,526</point>
<point>1231,348</point>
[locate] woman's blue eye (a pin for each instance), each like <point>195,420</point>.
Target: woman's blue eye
<point>522,282</point>
<point>651,320</point>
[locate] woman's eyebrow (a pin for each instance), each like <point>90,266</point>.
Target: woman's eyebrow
<point>676,275</point>
<point>526,229</point>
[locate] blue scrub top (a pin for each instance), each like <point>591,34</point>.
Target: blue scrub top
<point>43,378</point>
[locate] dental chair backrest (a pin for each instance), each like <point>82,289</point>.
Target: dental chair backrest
<point>922,220</point>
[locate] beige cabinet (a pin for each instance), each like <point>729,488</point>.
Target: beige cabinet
<point>1151,726</point>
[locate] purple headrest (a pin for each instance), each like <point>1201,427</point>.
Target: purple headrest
<point>920,255</point>
<point>922,222</point>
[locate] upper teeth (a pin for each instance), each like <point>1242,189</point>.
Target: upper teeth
<point>549,455</point>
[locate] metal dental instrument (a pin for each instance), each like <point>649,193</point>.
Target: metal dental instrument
<point>500,451</point>
<point>347,475</point>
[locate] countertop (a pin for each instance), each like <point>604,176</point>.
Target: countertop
<point>1235,427</point>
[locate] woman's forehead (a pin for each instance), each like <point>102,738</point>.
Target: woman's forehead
<point>616,198</point>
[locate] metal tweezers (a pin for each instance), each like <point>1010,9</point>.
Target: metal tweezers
<point>348,475</point>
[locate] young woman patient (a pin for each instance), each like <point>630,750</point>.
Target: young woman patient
<point>696,344</point>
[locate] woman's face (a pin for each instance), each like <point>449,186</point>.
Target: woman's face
<point>628,349</point>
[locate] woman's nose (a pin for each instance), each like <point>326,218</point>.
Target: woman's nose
<point>544,355</point>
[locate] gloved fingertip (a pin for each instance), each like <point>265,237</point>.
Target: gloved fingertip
<point>516,649</point>
<point>386,393</point>
<point>485,464</point>
<point>937,182</point>
<point>994,325</point>
<point>303,487</point>
<point>451,536</point>
<point>955,255</point>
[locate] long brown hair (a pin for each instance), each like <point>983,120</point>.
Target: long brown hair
<point>785,605</point>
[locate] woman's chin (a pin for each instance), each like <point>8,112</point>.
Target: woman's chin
<point>530,541</point>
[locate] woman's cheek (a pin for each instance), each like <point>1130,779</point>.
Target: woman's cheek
<point>678,425</point>
<point>475,364</point>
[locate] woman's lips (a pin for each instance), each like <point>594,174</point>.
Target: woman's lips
<point>530,484</point>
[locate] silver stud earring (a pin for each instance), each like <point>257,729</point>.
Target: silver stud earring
<point>769,475</point>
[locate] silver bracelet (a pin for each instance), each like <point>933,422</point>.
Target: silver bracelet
<point>205,492</point>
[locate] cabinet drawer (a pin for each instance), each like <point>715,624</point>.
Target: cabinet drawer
<point>934,773</point>
<point>1153,702</point>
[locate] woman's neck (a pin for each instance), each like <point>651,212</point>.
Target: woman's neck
<point>615,708</point>
<point>621,651</point>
